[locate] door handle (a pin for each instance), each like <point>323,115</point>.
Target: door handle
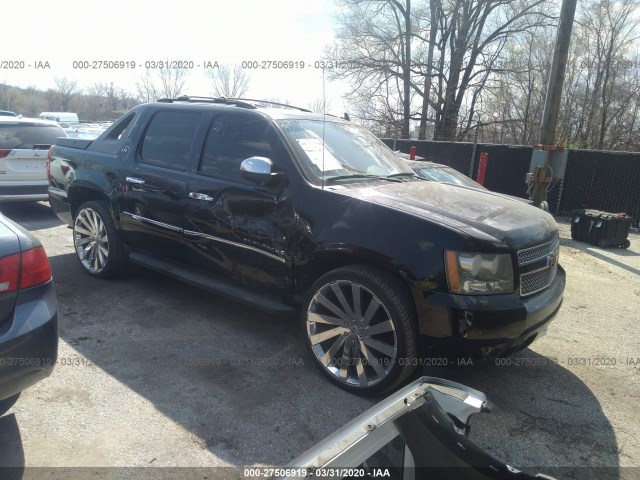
<point>135,181</point>
<point>201,196</point>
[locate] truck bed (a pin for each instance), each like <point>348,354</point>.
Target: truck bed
<point>79,143</point>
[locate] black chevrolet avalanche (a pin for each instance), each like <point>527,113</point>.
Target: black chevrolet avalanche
<point>292,211</point>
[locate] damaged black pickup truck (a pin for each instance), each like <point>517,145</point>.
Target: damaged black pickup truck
<point>292,211</point>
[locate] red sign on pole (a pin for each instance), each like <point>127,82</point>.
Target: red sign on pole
<point>482,167</point>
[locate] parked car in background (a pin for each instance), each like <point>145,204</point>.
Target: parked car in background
<point>7,113</point>
<point>445,174</point>
<point>442,173</point>
<point>87,131</point>
<point>28,313</point>
<point>24,143</point>
<point>293,211</point>
<point>65,117</point>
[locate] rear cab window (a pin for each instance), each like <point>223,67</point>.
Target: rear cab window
<point>114,137</point>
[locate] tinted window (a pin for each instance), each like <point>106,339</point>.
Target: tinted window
<point>231,140</point>
<point>169,138</point>
<point>27,135</point>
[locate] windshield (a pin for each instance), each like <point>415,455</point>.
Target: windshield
<point>347,153</point>
<point>447,175</point>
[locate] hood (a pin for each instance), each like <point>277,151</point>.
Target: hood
<point>482,214</point>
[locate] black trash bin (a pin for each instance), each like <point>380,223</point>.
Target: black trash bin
<point>604,229</point>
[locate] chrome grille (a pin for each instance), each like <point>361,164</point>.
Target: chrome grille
<point>537,280</point>
<point>533,254</point>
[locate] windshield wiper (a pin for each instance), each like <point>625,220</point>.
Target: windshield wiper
<point>389,178</point>
<point>401,174</point>
<point>353,175</point>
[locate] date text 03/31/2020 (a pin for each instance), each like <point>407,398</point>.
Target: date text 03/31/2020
<point>187,64</point>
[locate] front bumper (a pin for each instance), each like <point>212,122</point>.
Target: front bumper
<point>420,431</point>
<point>493,325</point>
<point>29,340</point>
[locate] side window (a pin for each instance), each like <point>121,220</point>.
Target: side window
<point>232,139</point>
<point>168,139</point>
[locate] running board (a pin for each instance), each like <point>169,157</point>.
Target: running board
<point>213,284</point>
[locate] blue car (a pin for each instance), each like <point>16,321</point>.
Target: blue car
<point>28,313</point>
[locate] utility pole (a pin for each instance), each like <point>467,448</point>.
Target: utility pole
<point>406,73</point>
<point>554,95</point>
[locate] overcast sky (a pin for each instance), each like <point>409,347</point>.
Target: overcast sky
<point>63,31</point>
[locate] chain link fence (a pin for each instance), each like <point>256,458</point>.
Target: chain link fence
<point>608,181</point>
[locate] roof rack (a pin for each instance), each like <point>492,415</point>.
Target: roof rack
<point>240,102</point>
<point>267,102</point>
<point>224,100</point>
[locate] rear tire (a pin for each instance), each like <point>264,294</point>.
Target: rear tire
<point>7,403</point>
<point>360,329</point>
<point>96,241</point>
<point>626,243</point>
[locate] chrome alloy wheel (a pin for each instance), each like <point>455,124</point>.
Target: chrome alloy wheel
<point>351,333</point>
<point>91,240</point>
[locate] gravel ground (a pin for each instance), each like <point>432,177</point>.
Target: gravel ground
<point>155,373</point>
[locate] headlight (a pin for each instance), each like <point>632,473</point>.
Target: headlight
<point>479,273</point>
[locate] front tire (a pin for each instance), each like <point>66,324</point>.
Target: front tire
<point>96,240</point>
<point>360,329</point>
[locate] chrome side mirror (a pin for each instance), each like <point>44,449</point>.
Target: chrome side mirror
<point>259,170</point>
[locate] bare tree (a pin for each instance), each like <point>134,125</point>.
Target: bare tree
<point>374,52</point>
<point>146,89</point>
<point>607,31</point>
<point>229,81</point>
<point>514,98</point>
<point>66,89</point>
<point>277,100</point>
<point>601,96</point>
<point>94,105</point>
<point>470,40</point>
<point>33,101</point>
<point>94,100</point>
<point>125,99</point>
<point>172,82</point>
<point>9,97</point>
<point>320,105</point>
<point>111,92</point>
<point>52,99</point>
<point>441,52</point>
